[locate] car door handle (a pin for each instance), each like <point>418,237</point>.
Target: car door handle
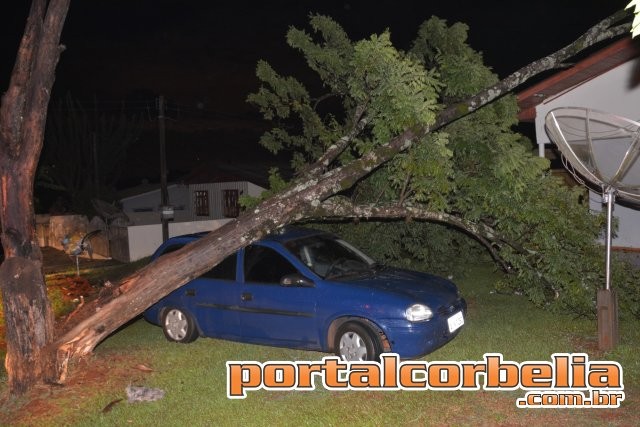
<point>190,293</point>
<point>246,296</point>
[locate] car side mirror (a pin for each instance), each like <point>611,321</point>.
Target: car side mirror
<point>296,280</point>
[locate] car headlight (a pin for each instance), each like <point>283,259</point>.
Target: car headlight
<point>418,313</point>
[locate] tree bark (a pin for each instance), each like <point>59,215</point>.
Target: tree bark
<point>28,315</point>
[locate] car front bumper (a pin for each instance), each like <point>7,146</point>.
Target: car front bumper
<point>412,340</point>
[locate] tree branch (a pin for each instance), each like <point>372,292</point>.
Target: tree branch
<point>599,32</point>
<point>318,100</point>
<point>489,237</point>
<point>336,149</point>
<point>402,142</point>
<point>404,193</point>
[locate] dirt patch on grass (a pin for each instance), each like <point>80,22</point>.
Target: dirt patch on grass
<point>588,345</point>
<point>72,288</point>
<point>105,375</point>
<point>111,372</point>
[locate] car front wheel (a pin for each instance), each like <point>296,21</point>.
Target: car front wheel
<point>356,343</point>
<point>178,326</point>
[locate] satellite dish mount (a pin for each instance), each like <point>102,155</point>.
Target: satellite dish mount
<point>603,149</point>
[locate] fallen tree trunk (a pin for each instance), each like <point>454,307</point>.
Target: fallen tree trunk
<point>140,290</point>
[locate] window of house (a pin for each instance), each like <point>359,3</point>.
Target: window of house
<point>231,205</point>
<point>201,202</point>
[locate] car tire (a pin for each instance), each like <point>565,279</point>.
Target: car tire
<point>355,342</point>
<point>178,326</point>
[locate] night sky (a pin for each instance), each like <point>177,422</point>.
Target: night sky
<point>201,55</point>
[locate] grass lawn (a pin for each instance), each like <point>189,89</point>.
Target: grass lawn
<point>194,377</point>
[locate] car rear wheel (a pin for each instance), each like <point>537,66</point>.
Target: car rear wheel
<point>178,326</point>
<point>355,343</point>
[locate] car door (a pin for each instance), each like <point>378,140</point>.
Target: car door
<point>272,313</point>
<point>213,297</point>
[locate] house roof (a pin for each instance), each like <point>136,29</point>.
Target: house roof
<point>594,65</point>
<point>203,173</point>
<point>140,189</point>
<point>207,173</point>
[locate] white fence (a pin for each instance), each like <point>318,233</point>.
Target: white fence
<point>131,243</point>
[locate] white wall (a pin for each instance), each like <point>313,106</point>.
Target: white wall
<point>254,190</point>
<point>181,197</point>
<point>628,231</point>
<point>178,198</point>
<point>614,92</point>
<point>148,218</point>
<point>145,239</point>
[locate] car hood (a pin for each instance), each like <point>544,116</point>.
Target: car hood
<point>420,286</point>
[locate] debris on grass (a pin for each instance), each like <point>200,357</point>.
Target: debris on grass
<point>143,368</point>
<point>143,394</point>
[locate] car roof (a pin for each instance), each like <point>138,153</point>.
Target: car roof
<point>284,234</point>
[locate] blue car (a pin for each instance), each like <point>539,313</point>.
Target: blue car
<point>308,289</point>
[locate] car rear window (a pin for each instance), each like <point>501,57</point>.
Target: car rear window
<point>226,270</point>
<point>171,248</point>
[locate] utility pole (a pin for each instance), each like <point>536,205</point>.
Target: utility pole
<point>94,150</point>
<point>96,165</point>
<point>165,211</point>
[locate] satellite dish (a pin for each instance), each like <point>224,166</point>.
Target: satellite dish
<point>603,149</point>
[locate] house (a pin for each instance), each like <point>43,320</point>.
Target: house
<point>204,194</point>
<point>607,80</point>
<point>204,200</point>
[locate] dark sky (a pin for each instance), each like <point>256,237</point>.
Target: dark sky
<point>202,54</point>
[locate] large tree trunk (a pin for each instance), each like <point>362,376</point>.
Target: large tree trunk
<point>169,272</point>
<point>27,312</point>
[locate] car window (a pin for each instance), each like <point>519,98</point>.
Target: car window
<point>329,256</point>
<point>264,265</point>
<point>226,270</point>
<point>171,248</point>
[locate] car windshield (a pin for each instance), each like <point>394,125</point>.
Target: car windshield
<point>329,257</point>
